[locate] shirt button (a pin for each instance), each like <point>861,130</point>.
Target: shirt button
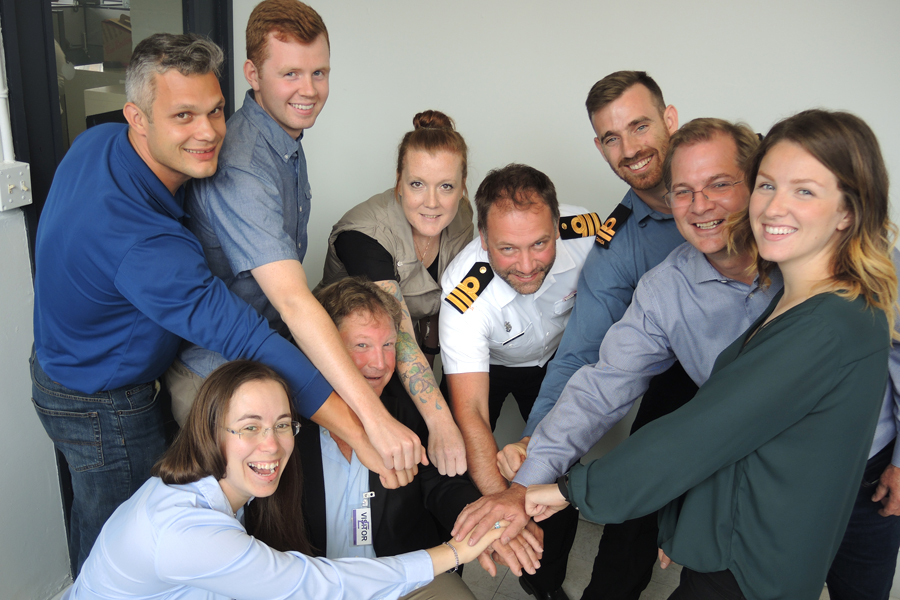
<point>299,244</point>
<point>301,209</point>
<point>287,156</point>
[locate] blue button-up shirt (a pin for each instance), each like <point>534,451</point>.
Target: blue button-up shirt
<point>252,212</point>
<point>605,287</point>
<point>345,483</point>
<point>889,420</point>
<point>683,310</point>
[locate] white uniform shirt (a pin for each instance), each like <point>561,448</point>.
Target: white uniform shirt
<point>503,327</point>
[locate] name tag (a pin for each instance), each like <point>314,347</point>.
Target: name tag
<point>362,526</point>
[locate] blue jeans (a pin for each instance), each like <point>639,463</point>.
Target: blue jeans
<point>110,441</point>
<point>864,566</point>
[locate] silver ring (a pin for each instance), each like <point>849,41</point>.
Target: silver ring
<point>497,525</point>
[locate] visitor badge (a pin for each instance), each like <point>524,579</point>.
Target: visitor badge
<point>362,522</point>
<point>362,526</point>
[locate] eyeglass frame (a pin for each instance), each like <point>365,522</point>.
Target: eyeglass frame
<point>295,427</point>
<point>670,203</point>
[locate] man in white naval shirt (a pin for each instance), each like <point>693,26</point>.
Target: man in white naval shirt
<point>507,298</point>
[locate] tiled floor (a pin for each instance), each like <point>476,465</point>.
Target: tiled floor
<point>581,560</point>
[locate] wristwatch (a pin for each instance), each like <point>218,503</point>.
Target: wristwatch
<point>563,483</point>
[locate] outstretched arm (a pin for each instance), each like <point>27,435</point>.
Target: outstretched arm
<point>469,397</point>
<point>445,443</point>
<point>633,351</point>
<point>605,288</point>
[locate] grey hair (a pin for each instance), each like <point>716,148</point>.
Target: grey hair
<point>188,53</point>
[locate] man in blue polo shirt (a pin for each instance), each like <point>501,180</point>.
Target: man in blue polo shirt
<point>119,281</point>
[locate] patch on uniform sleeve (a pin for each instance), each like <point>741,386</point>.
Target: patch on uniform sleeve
<point>466,293</point>
<point>612,224</point>
<point>579,226</point>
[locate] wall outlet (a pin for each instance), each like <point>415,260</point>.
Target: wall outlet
<point>15,185</point>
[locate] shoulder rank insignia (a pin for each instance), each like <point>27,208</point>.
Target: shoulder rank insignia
<point>579,226</point>
<point>613,223</point>
<point>466,293</point>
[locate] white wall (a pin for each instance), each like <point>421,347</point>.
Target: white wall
<point>514,75</point>
<point>34,562</point>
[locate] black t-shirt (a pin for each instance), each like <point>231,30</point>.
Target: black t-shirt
<point>364,256</point>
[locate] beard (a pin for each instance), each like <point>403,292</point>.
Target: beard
<point>653,177</point>
<point>523,287</point>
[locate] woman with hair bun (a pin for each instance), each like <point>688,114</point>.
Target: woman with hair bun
<point>403,239</point>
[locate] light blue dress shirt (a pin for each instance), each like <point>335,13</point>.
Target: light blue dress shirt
<point>183,542</point>
<point>252,212</point>
<point>889,420</point>
<point>682,310</point>
<point>605,287</point>
<point>345,484</point>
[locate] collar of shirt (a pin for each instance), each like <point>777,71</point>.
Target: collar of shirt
<point>210,490</point>
<point>640,209</point>
<point>283,144</point>
<point>701,271</point>
<point>134,165</point>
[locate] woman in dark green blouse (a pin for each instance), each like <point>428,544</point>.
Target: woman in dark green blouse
<point>757,475</point>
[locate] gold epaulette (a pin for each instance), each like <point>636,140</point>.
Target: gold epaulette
<point>612,224</point>
<point>466,293</point>
<point>579,226</point>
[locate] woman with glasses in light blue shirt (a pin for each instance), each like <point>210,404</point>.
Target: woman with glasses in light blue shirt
<point>189,532</point>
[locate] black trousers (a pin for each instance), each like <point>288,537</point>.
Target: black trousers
<point>524,383</point>
<point>720,585</point>
<point>627,551</point>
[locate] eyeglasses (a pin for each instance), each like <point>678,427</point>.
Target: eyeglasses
<point>250,433</point>
<point>713,192</point>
